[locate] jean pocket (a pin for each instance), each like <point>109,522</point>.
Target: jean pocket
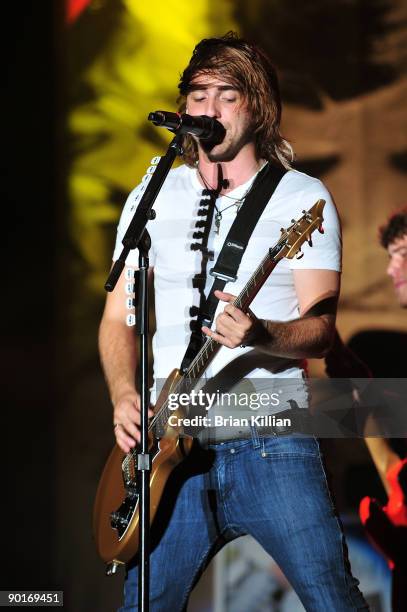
<point>289,446</point>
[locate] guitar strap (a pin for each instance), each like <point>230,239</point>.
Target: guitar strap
<point>228,262</point>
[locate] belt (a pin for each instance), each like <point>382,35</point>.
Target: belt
<point>299,422</point>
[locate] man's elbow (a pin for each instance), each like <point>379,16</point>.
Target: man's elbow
<point>326,338</point>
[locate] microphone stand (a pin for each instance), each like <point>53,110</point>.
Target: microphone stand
<point>137,236</point>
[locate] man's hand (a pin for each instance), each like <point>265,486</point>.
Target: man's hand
<point>233,327</point>
<point>126,419</point>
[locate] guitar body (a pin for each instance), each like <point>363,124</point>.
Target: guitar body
<point>116,515</point>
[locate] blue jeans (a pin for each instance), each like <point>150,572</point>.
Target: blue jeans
<point>274,489</point>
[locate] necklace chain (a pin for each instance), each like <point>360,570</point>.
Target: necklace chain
<point>237,201</point>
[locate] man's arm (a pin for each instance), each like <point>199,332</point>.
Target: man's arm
<point>309,336</point>
<point>117,347</point>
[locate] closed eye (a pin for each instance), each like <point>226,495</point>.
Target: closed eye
<point>402,253</point>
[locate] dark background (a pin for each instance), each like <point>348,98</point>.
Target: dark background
<point>32,208</point>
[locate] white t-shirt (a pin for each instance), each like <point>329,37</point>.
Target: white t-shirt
<point>175,264</point>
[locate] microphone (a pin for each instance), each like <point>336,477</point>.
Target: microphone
<point>202,126</point>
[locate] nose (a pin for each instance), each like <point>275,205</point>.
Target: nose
<point>212,107</point>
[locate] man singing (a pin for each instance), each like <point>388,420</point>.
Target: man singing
<point>245,481</point>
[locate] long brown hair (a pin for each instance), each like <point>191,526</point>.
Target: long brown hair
<point>247,68</point>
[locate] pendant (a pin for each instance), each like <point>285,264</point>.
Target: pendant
<point>218,219</point>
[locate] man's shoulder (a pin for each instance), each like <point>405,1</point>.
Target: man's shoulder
<point>300,180</point>
<point>299,188</point>
<point>177,178</point>
<point>180,173</point>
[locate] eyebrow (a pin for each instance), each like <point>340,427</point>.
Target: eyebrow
<point>200,87</point>
<point>395,250</point>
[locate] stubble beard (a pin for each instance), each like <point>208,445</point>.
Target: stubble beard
<point>232,148</point>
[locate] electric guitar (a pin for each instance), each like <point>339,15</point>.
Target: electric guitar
<point>116,519</point>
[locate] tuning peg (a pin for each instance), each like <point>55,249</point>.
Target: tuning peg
<point>130,320</point>
<point>299,255</point>
<point>129,288</point>
<point>198,235</point>
<point>130,303</point>
<point>193,311</point>
<point>309,240</point>
<point>201,212</point>
<point>155,160</point>
<point>200,224</point>
<point>292,220</point>
<point>321,230</point>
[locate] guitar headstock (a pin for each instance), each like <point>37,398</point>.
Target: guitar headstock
<point>300,231</point>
